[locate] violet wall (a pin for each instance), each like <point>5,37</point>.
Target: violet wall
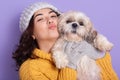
<point>105,14</point>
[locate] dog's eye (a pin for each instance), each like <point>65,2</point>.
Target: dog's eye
<point>68,21</point>
<point>81,23</point>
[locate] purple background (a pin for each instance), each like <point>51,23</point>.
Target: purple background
<point>105,15</point>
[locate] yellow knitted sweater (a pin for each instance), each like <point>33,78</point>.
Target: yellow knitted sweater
<point>43,68</point>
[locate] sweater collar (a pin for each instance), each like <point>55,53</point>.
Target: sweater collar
<point>42,54</point>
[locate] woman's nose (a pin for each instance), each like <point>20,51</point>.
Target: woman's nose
<point>50,21</point>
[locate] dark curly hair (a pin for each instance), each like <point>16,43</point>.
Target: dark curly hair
<point>26,45</point>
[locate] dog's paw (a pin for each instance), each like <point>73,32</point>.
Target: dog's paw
<point>60,59</point>
<point>103,44</point>
<point>107,46</point>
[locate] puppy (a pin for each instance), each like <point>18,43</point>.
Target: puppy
<point>75,26</point>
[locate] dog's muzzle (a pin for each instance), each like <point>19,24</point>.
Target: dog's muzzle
<point>74,27</point>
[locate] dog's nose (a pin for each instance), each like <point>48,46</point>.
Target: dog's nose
<point>74,25</point>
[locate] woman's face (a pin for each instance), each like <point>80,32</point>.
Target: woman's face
<point>45,25</point>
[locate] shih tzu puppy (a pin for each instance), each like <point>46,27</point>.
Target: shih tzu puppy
<point>75,26</point>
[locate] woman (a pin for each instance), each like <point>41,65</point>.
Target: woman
<point>38,24</point>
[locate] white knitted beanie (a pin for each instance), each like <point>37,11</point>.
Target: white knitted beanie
<point>29,11</point>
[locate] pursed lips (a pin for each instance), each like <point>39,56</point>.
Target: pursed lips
<point>52,26</point>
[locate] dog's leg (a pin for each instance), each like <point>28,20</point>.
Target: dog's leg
<point>59,57</point>
<point>102,43</point>
<point>87,69</point>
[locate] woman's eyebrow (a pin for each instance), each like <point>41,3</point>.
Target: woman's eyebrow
<point>52,11</point>
<point>37,15</point>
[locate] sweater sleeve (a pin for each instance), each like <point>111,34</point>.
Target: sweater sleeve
<point>67,74</point>
<point>107,71</point>
<point>30,72</point>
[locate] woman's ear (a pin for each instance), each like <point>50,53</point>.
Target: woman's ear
<point>33,37</point>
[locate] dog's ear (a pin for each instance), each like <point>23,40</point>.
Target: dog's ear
<point>89,25</point>
<point>91,36</point>
<point>60,24</point>
<point>60,31</point>
<point>60,17</point>
<point>92,33</point>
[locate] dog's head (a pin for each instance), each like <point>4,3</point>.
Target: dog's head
<point>75,26</point>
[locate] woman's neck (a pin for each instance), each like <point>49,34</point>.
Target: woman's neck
<point>46,45</point>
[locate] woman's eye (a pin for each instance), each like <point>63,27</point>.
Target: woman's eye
<point>54,16</point>
<point>40,19</point>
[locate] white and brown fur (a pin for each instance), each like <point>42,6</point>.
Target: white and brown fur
<point>76,26</point>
